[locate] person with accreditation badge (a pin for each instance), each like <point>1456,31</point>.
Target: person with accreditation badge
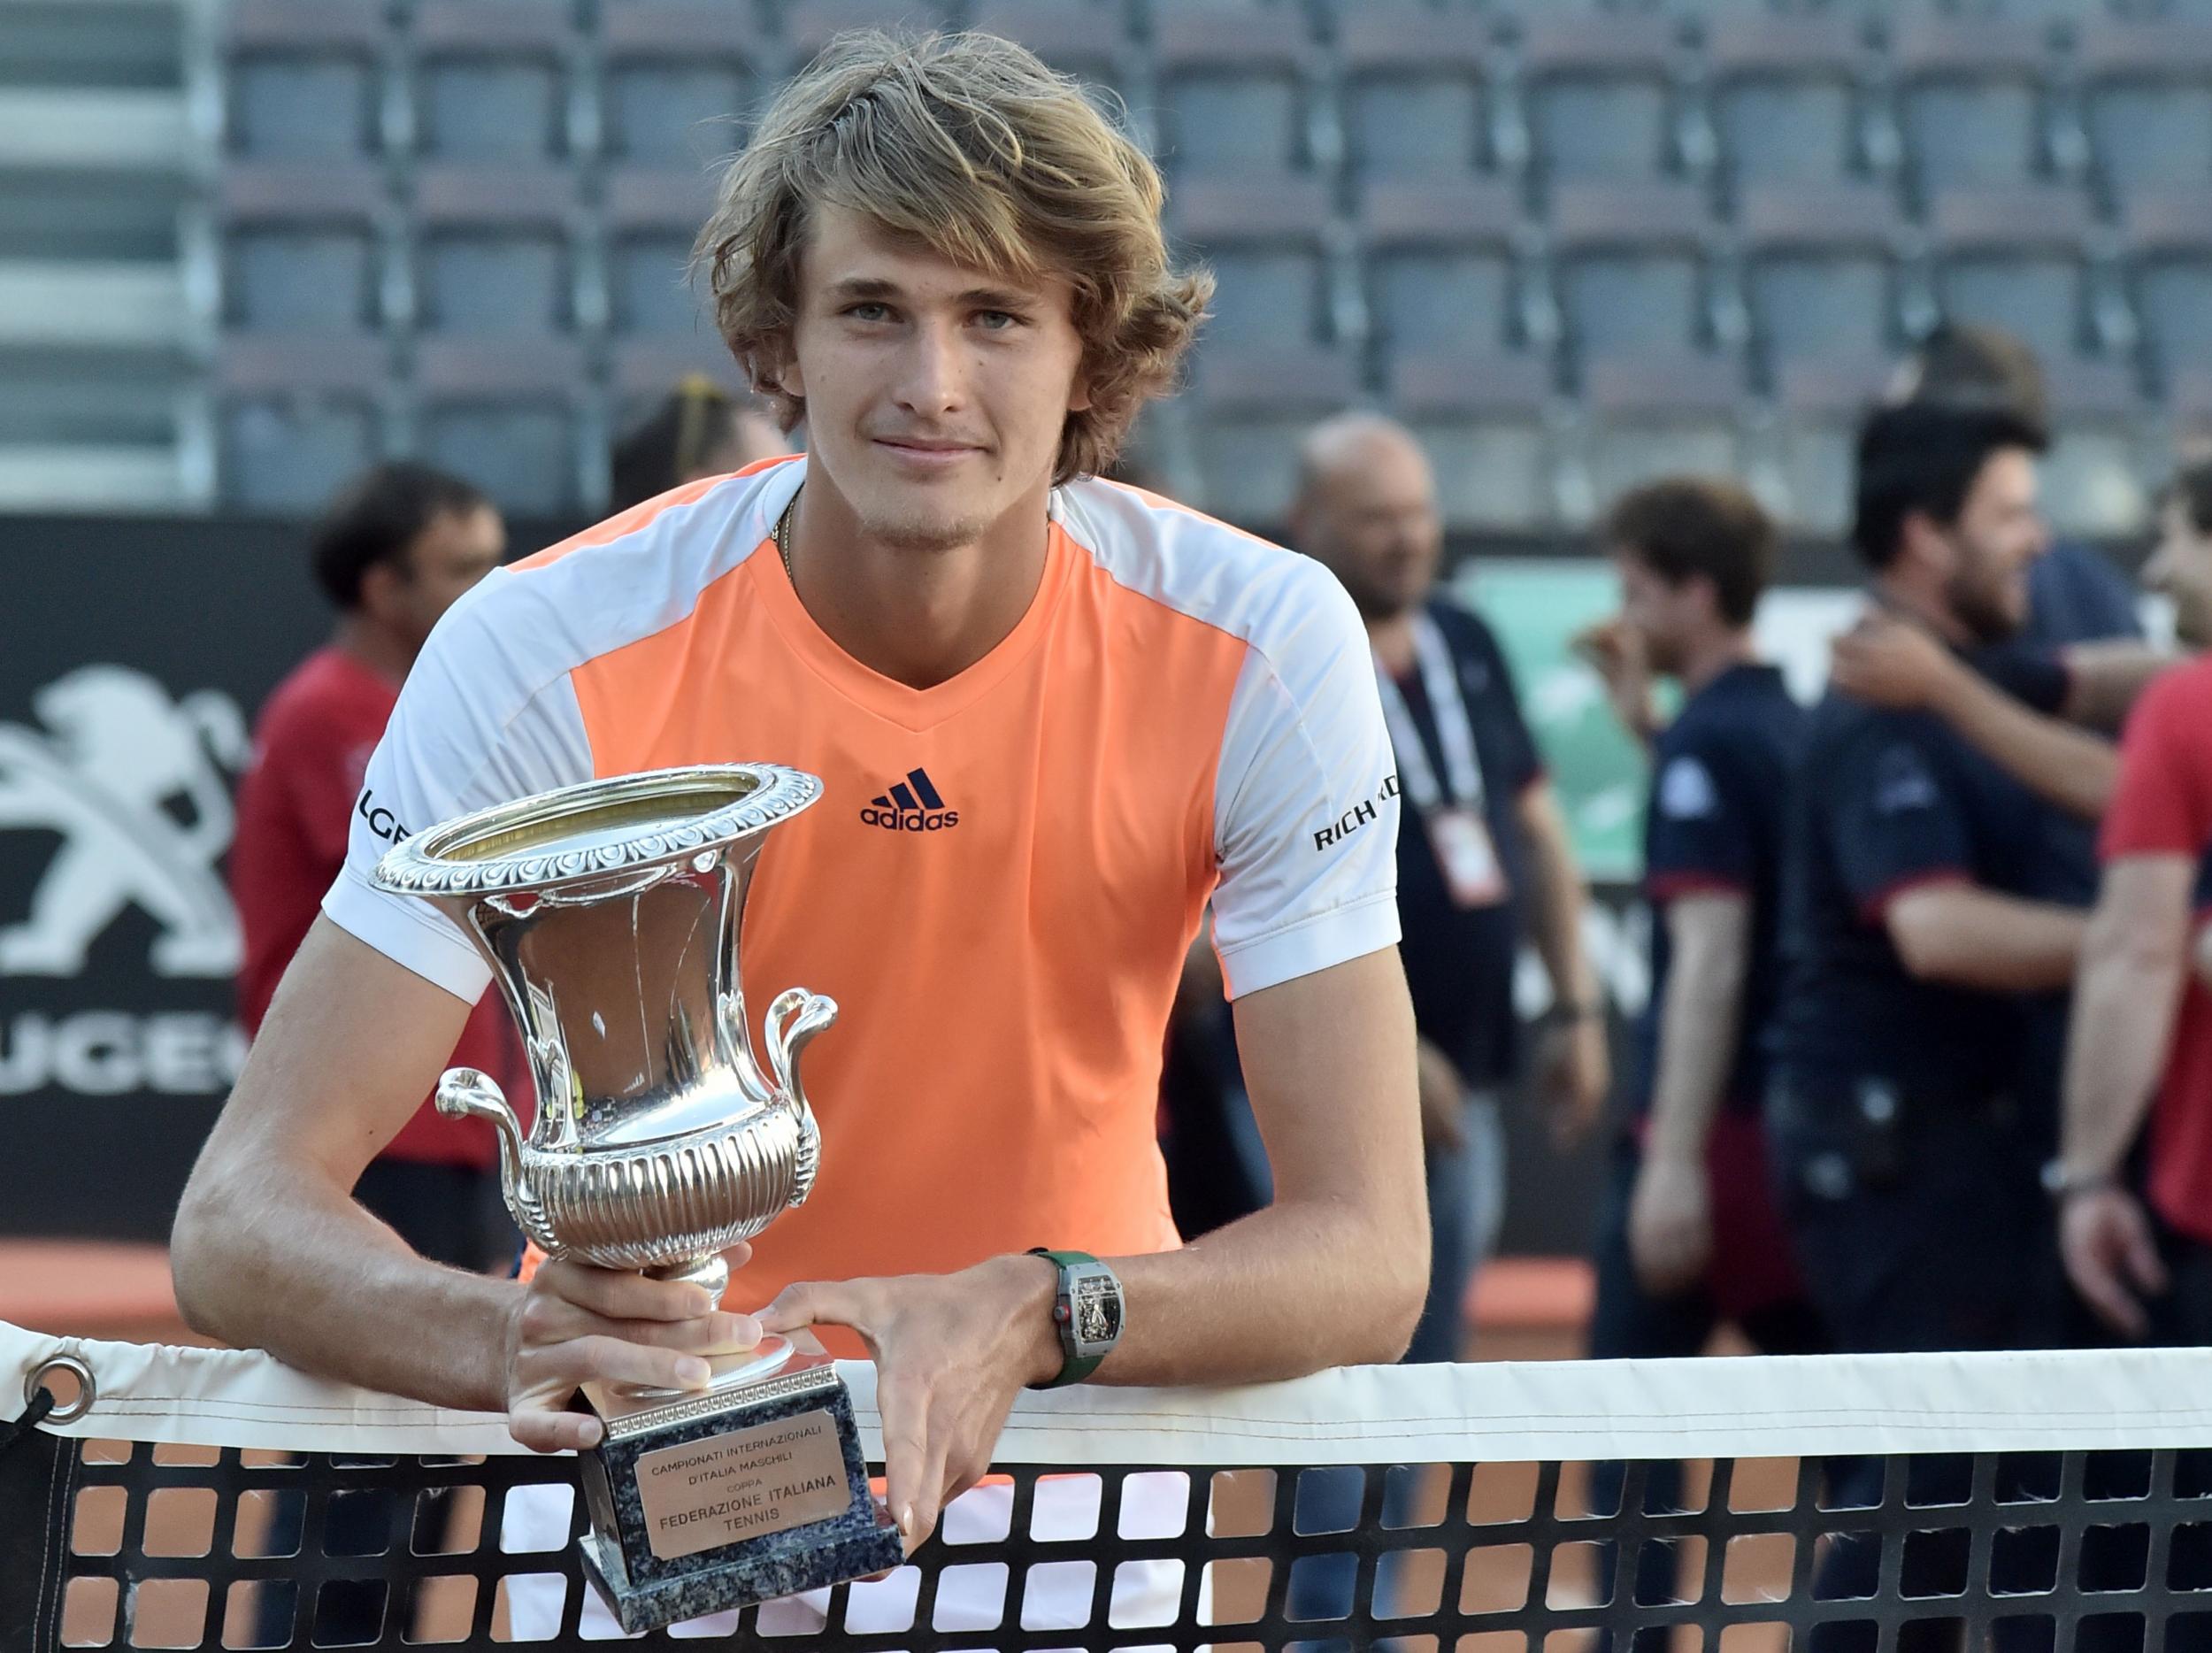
<point>951,265</point>
<point>1483,859</point>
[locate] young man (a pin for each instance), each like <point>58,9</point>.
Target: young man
<point>2180,565</point>
<point>1927,914</point>
<point>397,549</point>
<point>1690,1237</point>
<point>1483,856</point>
<point>1931,931</point>
<point>2142,1036</point>
<point>948,262</point>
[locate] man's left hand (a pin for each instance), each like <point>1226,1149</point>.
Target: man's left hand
<point>1574,1069</point>
<point>951,1352</point>
<point>1885,661</point>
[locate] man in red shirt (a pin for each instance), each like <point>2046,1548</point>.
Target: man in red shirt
<point>398,547</point>
<point>2142,1027</point>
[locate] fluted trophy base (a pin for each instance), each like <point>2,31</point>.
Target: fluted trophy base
<point>729,1496</point>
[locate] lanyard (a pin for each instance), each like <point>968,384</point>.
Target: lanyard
<point>1439,681</point>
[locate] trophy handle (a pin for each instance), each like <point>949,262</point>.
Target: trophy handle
<point>794,1019</point>
<point>464,1092</point>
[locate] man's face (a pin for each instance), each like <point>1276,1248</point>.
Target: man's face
<point>936,395</point>
<point>2181,569</point>
<point>1665,617</point>
<point>455,550</point>
<point>1998,533</point>
<point>1371,519</point>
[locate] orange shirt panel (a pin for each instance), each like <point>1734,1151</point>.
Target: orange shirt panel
<point>1003,978</point>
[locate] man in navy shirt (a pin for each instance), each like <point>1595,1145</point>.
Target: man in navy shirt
<point>1922,922</point>
<point>1924,915</point>
<point>1690,1236</point>
<point>1483,856</point>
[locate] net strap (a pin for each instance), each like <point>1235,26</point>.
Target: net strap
<point>1501,1412</point>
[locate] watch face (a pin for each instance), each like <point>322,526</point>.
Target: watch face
<point>1096,1300</point>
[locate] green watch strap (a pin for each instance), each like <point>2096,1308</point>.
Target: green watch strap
<point>1074,1367</point>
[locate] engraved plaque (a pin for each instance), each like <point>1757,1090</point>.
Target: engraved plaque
<point>705,1494</point>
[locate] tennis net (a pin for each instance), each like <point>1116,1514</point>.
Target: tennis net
<point>1843,1504</point>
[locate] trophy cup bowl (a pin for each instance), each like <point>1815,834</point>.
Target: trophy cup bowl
<point>609,913</point>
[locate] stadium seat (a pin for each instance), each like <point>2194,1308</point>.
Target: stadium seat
<point>1087,40</point>
<point>1785,99</point>
<point>1416,104</point>
<point>1485,423</point>
<point>1658,416</point>
<point>1238,91</point>
<point>1969,101</point>
<point>2016,259</point>
<point>1601,95</point>
<point>494,83</point>
<point>2092,477</point>
<point>676,77</point>
<point>499,250</point>
<point>2169,235</point>
<point>305,79</point>
<point>514,422</point>
<point>297,417</point>
<point>1274,250</point>
<point>303,247</point>
<point>811,24</point>
<point>652,219</point>
<point>642,371</point>
<point>1250,407</point>
<point>1820,406</point>
<point>1440,264</point>
<point>2148,96</point>
<point>1631,265</point>
<point>1820,270</point>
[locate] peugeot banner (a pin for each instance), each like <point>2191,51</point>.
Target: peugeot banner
<point>136,655</point>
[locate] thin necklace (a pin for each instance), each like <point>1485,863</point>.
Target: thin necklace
<point>783,539</point>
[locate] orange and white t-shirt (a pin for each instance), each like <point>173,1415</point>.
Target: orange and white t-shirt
<point>1004,871</point>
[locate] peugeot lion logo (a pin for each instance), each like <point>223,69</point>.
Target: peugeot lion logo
<point>118,760</point>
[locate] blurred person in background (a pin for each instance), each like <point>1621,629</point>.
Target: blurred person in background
<point>1926,916</point>
<point>2074,594</point>
<point>1689,1236</point>
<point>1483,859</point>
<point>2139,1249</point>
<point>396,548</point>
<point>698,429</point>
<point>1930,934</point>
<point>2180,564</point>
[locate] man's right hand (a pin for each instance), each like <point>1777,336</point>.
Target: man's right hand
<point>2105,1236</point>
<point>1670,1225</point>
<point>575,1323</point>
<point>1615,650</point>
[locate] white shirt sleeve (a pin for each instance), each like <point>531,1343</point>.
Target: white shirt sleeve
<point>484,717</point>
<point>1306,804</point>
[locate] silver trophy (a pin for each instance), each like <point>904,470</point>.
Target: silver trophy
<point>609,913</point>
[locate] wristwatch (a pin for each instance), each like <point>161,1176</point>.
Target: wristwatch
<point>1085,1311</point>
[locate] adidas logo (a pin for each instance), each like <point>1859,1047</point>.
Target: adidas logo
<point>912,805</point>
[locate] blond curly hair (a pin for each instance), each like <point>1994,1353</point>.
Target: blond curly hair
<point>971,146</point>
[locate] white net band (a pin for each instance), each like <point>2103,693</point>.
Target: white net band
<point>2076,1401</point>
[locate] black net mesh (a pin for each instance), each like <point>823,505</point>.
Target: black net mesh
<point>112,1544</point>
